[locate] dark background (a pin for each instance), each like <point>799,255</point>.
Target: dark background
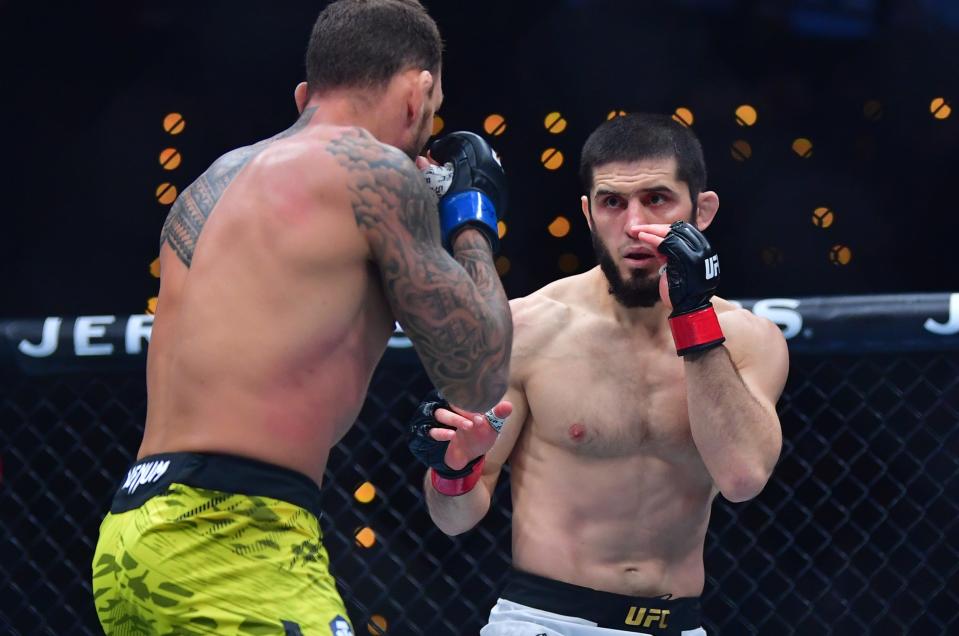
<point>857,531</point>
<point>86,87</point>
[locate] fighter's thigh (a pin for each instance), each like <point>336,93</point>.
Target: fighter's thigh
<point>167,574</point>
<point>198,593</point>
<point>517,628</point>
<point>107,593</point>
<point>260,585</point>
<point>513,619</point>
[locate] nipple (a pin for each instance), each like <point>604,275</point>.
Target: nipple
<point>577,432</point>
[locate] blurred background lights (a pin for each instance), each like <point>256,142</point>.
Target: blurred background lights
<point>840,255</point>
<point>551,159</point>
<point>494,125</point>
<point>377,625</point>
<point>940,108</point>
<point>568,263</point>
<point>166,193</point>
<point>559,227</point>
<point>684,116</point>
<point>365,492</point>
<point>822,217</point>
<point>174,123</point>
<point>555,123</point>
<point>365,537</point>
<point>772,256</point>
<point>872,110</point>
<point>802,147</point>
<point>746,115</point>
<point>741,150</point>
<point>170,158</point>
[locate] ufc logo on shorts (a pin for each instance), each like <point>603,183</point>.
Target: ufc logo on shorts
<point>644,618</point>
<point>712,267</point>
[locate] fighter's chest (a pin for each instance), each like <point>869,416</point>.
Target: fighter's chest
<point>608,401</point>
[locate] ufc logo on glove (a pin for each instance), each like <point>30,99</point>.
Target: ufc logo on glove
<point>712,267</point>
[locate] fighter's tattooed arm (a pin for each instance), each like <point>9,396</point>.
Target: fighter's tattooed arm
<point>193,207</point>
<point>455,313</point>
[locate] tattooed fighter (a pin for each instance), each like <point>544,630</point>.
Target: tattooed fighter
<point>284,267</point>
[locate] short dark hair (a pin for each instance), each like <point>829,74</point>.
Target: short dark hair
<point>364,43</point>
<point>639,136</point>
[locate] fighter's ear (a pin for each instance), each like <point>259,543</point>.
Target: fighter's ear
<point>419,89</point>
<point>707,204</point>
<point>584,203</point>
<point>427,82</point>
<point>301,95</point>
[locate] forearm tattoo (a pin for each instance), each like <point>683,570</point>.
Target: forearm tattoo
<point>456,314</point>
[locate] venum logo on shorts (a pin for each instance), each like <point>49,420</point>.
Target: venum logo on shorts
<point>146,473</point>
<point>645,617</point>
<point>339,626</point>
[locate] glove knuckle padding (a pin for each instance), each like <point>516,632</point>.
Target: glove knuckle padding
<point>687,251</point>
<point>427,450</point>
<point>474,166</point>
<point>692,272</point>
<point>692,236</point>
<point>477,193</point>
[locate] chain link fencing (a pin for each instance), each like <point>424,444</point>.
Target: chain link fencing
<point>856,533</point>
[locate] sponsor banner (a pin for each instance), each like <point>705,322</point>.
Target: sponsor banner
<point>840,324</point>
<point>864,324</point>
<point>81,344</point>
<point>104,344</point>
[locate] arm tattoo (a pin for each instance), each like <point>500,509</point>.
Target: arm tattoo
<point>193,207</point>
<point>473,253</point>
<point>456,314</point>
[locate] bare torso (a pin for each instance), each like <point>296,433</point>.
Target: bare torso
<point>265,345</point>
<point>609,490</point>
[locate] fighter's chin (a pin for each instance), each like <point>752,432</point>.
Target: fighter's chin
<point>640,273</point>
<point>411,152</point>
<point>420,138</point>
<point>636,290</point>
<point>414,148</point>
<point>632,297</point>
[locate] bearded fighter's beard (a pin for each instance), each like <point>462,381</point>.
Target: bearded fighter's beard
<point>641,289</point>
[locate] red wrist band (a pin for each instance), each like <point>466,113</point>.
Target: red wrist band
<point>460,485</point>
<point>696,331</point>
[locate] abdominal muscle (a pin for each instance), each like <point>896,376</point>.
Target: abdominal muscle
<point>632,525</point>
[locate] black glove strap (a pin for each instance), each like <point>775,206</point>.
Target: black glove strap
<point>427,450</point>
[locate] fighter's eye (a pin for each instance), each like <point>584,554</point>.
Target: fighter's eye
<point>613,201</point>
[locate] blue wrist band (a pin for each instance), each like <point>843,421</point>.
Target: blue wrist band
<point>471,207</point>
